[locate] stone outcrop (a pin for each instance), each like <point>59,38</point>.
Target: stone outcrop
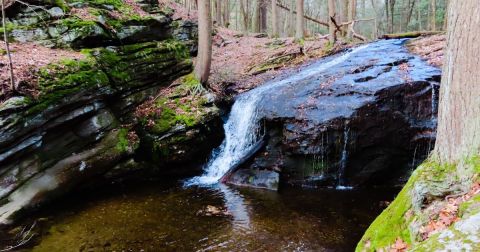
<point>366,121</point>
<point>82,124</point>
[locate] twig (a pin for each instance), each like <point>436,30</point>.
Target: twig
<point>7,48</point>
<point>25,236</point>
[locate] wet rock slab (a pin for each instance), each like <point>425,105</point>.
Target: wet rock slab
<point>363,121</point>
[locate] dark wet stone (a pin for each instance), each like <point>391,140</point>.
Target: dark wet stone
<point>379,101</point>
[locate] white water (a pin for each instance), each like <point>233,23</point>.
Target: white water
<point>242,129</point>
<point>343,161</point>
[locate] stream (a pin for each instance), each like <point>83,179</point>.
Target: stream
<point>164,216</point>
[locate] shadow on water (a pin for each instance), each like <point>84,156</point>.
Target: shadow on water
<point>159,216</point>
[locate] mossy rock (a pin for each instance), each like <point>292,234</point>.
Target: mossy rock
<point>404,216</point>
<point>106,72</point>
<point>109,22</point>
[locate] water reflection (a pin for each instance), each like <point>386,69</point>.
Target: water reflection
<point>236,206</point>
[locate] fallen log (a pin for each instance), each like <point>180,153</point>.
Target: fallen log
<point>413,34</point>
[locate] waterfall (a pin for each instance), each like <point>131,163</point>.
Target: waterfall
<point>242,129</point>
<point>343,160</point>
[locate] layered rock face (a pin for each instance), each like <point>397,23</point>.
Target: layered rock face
<point>368,120</point>
<point>81,125</point>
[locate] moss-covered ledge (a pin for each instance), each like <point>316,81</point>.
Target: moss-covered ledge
<point>429,186</point>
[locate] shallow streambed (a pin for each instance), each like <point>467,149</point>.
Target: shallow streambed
<point>155,216</point>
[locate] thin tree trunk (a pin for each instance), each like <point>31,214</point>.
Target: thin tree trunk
<point>433,21</point>
<point>331,26</point>
<point>419,17</point>
<point>218,12</point>
<point>291,19</point>
<point>244,14</point>
<point>7,48</point>
<point>275,27</point>
<point>352,9</point>
<point>375,23</point>
<point>458,134</point>
<point>204,59</point>
<point>445,18</point>
<point>256,17</point>
<point>299,33</point>
<point>263,16</point>
<point>226,13</point>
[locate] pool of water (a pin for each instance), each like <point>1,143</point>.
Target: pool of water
<point>158,216</point>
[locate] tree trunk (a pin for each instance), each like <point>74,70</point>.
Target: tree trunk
<point>244,14</point>
<point>291,19</point>
<point>445,18</point>
<point>263,16</point>
<point>344,4</point>
<point>352,10</point>
<point>299,31</point>
<point>392,15</point>
<point>256,17</point>
<point>433,21</point>
<point>218,12</point>
<point>331,26</point>
<point>274,19</point>
<point>458,134</point>
<point>7,48</point>
<point>226,13</point>
<point>204,59</point>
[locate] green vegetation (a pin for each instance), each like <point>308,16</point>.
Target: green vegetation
<point>68,77</point>
<point>395,221</point>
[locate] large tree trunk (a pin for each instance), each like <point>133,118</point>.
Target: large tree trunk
<point>331,26</point>
<point>275,19</point>
<point>204,59</point>
<point>299,31</point>
<point>458,134</point>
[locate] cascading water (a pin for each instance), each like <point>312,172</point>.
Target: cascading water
<point>242,129</point>
<point>343,160</point>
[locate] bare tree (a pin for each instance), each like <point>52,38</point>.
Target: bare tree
<point>458,134</point>
<point>204,59</point>
<point>299,31</point>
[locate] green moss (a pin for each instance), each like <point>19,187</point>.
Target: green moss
<point>392,222</point>
<point>68,77</point>
<point>123,144</point>
<point>75,22</point>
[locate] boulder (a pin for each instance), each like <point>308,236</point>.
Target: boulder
<point>367,120</point>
